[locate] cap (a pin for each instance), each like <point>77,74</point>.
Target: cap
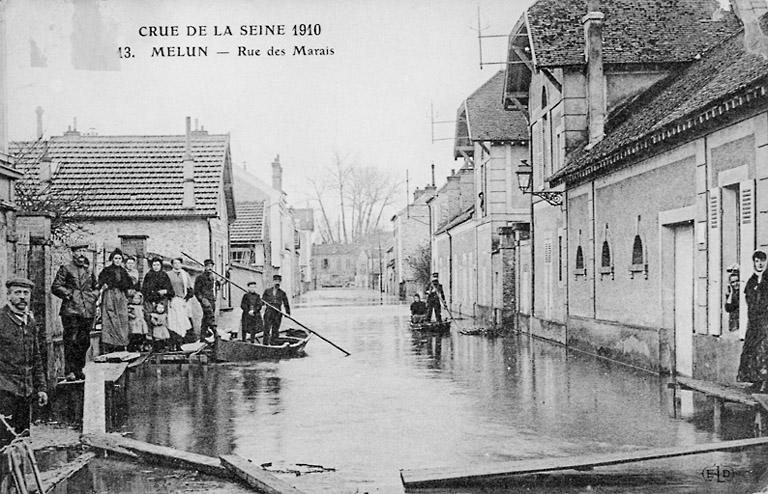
<point>208,262</point>
<point>251,283</point>
<point>19,281</point>
<point>434,275</point>
<point>277,277</point>
<point>78,246</point>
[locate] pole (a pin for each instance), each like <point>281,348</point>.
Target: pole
<point>274,308</point>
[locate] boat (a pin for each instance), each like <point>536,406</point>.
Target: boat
<point>291,344</point>
<point>443,327</point>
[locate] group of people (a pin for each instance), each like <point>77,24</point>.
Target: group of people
<point>421,311</point>
<point>252,323</point>
<point>135,314</point>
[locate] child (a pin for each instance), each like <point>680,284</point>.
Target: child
<point>136,322</point>
<point>159,321</point>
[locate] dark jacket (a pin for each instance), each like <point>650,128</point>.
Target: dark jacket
<point>76,286</point>
<point>115,277</point>
<point>251,302</point>
<point>154,281</point>
<point>205,286</point>
<point>756,295</point>
<point>276,297</point>
<point>435,293</point>
<point>21,367</point>
<point>418,308</point>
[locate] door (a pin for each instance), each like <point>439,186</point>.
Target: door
<point>684,299</point>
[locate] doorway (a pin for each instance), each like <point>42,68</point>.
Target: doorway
<point>683,298</point>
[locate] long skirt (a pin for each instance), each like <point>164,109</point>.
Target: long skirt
<point>114,318</point>
<point>753,366</point>
<point>178,316</point>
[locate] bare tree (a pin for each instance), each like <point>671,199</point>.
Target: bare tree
<point>325,227</point>
<point>421,261</point>
<point>341,171</point>
<point>66,204</point>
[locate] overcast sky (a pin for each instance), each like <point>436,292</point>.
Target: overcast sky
<point>370,100</point>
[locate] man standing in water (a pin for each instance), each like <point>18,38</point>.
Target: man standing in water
<point>76,286</point>
<point>435,297</point>
<point>22,378</point>
<point>205,291</point>
<point>276,298</point>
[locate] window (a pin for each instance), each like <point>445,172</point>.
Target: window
<point>637,250</point>
<point>543,97</point>
<point>605,260</point>
<point>559,258</point>
<point>580,269</point>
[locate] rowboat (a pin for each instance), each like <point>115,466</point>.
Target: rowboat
<point>432,327</point>
<point>291,343</point>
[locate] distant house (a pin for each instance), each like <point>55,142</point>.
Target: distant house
<point>247,245</point>
<point>142,193</point>
<point>334,265</point>
<point>304,219</point>
<point>410,232</point>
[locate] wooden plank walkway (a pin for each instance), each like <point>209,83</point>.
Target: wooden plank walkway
<point>94,405</point>
<point>256,477</point>
<point>721,391</point>
<point>474,474</point>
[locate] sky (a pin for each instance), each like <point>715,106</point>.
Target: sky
<point>369,101</point>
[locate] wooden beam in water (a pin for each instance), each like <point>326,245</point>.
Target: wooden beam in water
<point>94,396</point>
<point>727,393</point>
<point>53,478</point>
<point>476,474</point>
<point>256,477</point>
<point>159,454</point>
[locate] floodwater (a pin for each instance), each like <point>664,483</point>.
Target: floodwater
<point>404,401</point>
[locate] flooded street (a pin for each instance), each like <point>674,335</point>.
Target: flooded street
<point>403,400</point>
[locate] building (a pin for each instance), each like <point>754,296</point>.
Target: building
<point>410,234</point>
<point>279,229</point>
<point>166,194</point>
<point>248,248</point>
<point>655,144</point>
<point>305,226</point>
<point>334,265</point>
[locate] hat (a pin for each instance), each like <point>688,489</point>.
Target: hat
<point>208,261</point>
<point>19,281</point>
<point>116,252</point>
<point>251,283</point>
<point>78,246</point>
<point>434,275</point>
<point>759,254</point>
<point>277,277</point>
<point>733,268</point>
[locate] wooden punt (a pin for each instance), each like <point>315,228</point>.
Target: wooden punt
<point>291,344</point>
<point>432,327</point>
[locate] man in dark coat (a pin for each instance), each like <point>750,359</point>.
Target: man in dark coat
<point>435,296</point>
<point>22,379</point>
<point>276,298</point>
<point>753,366</point>
<point>205,291</point>
<point>251,318</point>
<point>76,286</point>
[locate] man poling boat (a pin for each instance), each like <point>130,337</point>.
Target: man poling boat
<point>276,309</point>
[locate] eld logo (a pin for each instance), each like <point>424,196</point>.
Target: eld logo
<point>717,473</point>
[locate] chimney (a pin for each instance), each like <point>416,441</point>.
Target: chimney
<point>750,12</point>
<point>433,174</point>
<point>188,201</point>
<point>46,169</point>
<point>39,112</point>
<point>593,52</point>
<point>277,174</point>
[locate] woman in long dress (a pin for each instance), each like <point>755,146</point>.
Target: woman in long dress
<point>753,366</point>
<point>156,287</point>
<point>114,282</point>
<point>178,314</point>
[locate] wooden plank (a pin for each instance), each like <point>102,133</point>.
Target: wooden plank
<point>106,443</point>
<point>94,396</point>
<point>761,399</point>
<point>256,477</point>
<point>53,478</point>
<point>727,393</point>
<point>159,454</point>
<point>429,477</point>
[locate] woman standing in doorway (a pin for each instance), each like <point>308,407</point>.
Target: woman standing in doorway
<point>753,367</point>
<point>178,315</point>
<point>114,282</point>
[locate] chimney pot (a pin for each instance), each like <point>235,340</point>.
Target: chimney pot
<point>39,112</point>
<point>188,199</point>
<point>596,100</point>
<point>277,174</point>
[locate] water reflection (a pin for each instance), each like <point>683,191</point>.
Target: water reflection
<point>407,400</point>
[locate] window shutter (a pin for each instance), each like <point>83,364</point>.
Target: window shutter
<point>746,244</point>
<point>715,301</point>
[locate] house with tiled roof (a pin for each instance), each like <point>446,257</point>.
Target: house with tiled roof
<point>410,234</point>
<point>491,141</point>
<point>661,178</point>
<point>334,265</point>
<point>143,193</point>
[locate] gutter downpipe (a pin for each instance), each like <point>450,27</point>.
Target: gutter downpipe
<point>450,267</point>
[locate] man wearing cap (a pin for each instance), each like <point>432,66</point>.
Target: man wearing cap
<point>276,298</point>
<point>205,292</point>
<point>434,296</point>
<point>22,379</point>
<point>76,286</point>
<point>251,318</point>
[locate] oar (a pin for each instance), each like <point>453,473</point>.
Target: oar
<point>227,280</point>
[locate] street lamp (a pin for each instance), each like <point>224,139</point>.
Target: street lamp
<point>524,175</point>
